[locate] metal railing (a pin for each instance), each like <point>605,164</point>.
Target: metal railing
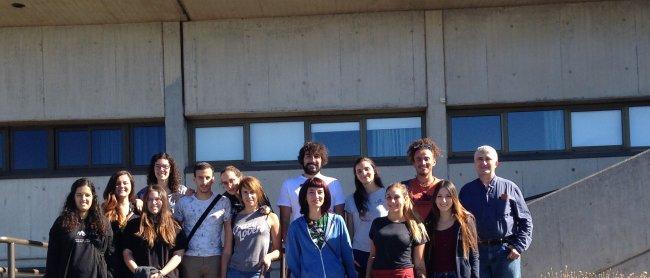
<point>11,255</point>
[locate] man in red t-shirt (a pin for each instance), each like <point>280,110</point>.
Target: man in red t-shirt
<point>422,154</point>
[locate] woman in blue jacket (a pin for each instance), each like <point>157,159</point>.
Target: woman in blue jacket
<point>318,244</point>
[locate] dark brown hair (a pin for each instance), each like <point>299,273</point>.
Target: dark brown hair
<point>313,148</point>
<point>423,144</point>
<point>174,181</point>
<point>302,196</point>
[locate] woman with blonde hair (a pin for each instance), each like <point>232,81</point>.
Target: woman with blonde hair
<point>154,243</point>
<point>253,232</point>
<point>397,240</point>
<point>452,251</point>
<point>118,208</point>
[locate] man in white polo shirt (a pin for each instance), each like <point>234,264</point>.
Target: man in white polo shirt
<point>312,157</point>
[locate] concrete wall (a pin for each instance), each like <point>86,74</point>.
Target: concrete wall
<point>81,72</point>
<point>595,223</point>
<point>547,53</point>
<point>305,64</point>
<point>537,176</point>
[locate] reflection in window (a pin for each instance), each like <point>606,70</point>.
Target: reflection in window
<point>147,141</point>
<point>596,128</point>
<point>536,131</point>
<point>391,136</point>
<point>640,126</point>
<point>276,141</point>
<point>341,139</point>
<point>2,150</point>
<point>468,133</point>
<point>107,146</point>
<point>72,148</point>
<point>219,143</point>
<point>29,149</point>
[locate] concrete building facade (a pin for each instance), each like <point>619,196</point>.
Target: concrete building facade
<point>237,79</point>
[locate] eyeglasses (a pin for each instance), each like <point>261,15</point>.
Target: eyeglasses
<point>161,166</point>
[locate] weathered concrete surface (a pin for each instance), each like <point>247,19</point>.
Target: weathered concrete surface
<point>175,124</point>
<point>305,64</point>
<point>547,53</point>
<point>537,176</point>
<point>81,72</point>
<point>595,223</point>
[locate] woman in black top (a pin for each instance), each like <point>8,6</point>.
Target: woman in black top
<point>452,250</point>
<point>80,236</point>
<point>154,243</point>
<point>118,208</point>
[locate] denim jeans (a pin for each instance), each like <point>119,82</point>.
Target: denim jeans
<point>442,275</point>
<point>494,262</point>
<point>361,258</point>
<point>234,273</point>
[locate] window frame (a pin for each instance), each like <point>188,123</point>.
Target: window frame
<point>54,170</point>
<point>569,151</point>
<point>308,120</point>
<point>5,148</point>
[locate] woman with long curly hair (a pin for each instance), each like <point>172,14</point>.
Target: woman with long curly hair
<point>118,208</point>
<point>154,243</point>
<point>80,237</point>
<point>164,173</point>
<point>397,240</point>
<point>362,207</point>
<point>452,251</point>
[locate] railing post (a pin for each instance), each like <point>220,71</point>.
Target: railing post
<point>11,259</point>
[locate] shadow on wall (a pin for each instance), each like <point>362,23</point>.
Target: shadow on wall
<point>595,224</point>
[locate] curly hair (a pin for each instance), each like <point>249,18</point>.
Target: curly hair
<point>313,148</point>
<point>70,219</point>
<point>422,144</point>
<point>174,181</point>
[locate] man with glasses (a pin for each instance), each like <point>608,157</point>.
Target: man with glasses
<point>503,222</point>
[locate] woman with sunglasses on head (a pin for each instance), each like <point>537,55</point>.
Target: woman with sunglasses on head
<point>230,179</point>
<point>80,237</point>
<point>397,240</point>
<point>118,208</point>
<point>248,254</point>
<point>154,243</point>
<point>452,251</point>
<point>164,173</point>
<point>362,207</point>
<point>317,243</point>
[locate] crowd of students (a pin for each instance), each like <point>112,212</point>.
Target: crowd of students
<point>414,228</point>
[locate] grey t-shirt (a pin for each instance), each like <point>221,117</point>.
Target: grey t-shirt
<point>376,208</point>
<point>252,237</point>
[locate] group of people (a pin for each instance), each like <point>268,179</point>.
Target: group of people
<point>421,227</point>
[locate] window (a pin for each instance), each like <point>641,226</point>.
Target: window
<point>250,142</point>
<point>470,132</point>
<point>341,139</point>
<point>29,149</point>
<point>2,150</point>
<point>392,136</point>
<point>107,147</point>
<point>536,130</point>
<point>276,141</point>
<point>219,143</point>
<point>147,141</point>
<point>596,128</point>
<point>72,148</point>
<point>640,126</point>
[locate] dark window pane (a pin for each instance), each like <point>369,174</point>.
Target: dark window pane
<point>341,139</point>
<point>392,136</point>
<point>147,141</point>
<point>72,148</point>
<point>535,131</point>
<point>107,147</point>
<point>2,150</point>
<point>29,149</point>
<point>468,133</point>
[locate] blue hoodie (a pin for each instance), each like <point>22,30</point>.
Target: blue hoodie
<point>334,259</point>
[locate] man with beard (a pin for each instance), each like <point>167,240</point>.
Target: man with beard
<point>203,254</point>
<point>422,154</point>
<point>312,157</point>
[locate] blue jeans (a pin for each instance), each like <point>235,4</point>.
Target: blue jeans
<point>442,275</point>
<point>494,262</point>
<point>234,273</point>
<point>361,257</point>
